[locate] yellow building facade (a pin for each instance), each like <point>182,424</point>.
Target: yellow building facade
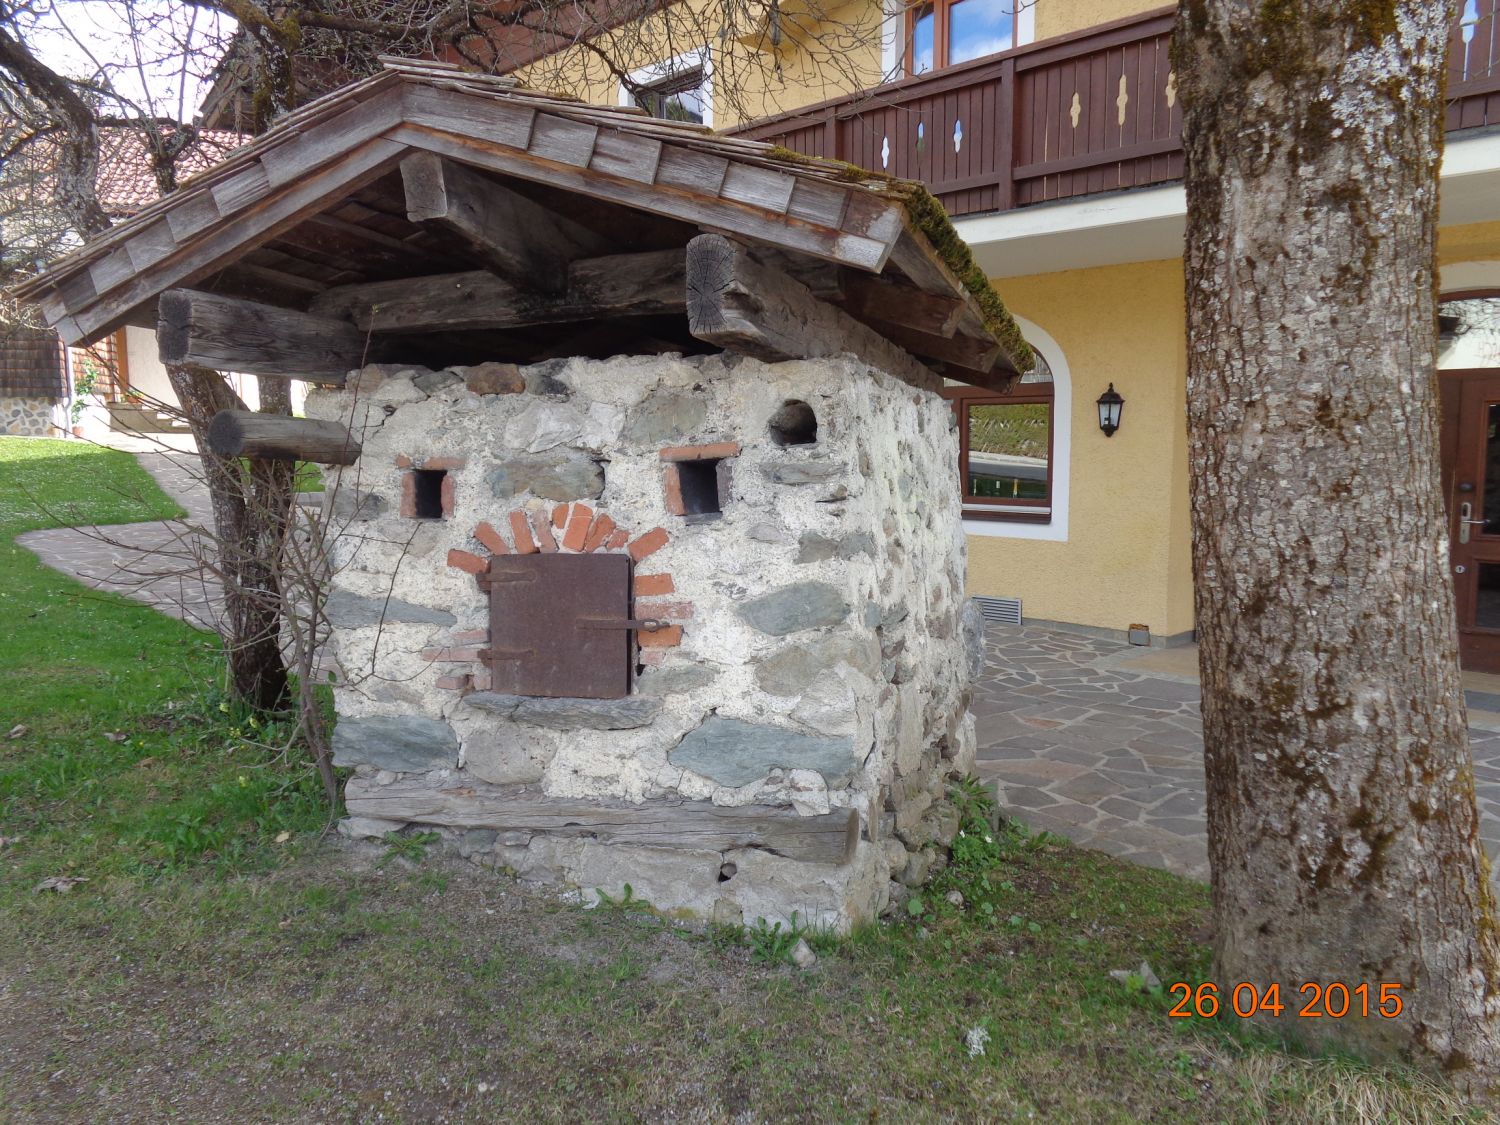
<point>1059,157</point>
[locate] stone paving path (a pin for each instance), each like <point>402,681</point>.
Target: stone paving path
<point>155,562</point>
<point>1112,758</point>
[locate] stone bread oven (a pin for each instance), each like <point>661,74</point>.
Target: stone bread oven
<point>650,567</point>
<point>780,742</point>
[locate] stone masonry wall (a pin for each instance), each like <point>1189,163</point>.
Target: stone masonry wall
<point>816,658</point>
<point>27,417</point>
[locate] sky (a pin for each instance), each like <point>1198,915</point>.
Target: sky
<point>137,45</point>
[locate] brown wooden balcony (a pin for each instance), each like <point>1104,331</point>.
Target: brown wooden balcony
<point>1089,112</point>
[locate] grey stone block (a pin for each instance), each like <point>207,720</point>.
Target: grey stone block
<point>676,679</point>
<point>569,477</point>
<point>350,611</point>
<point>395,742</point>
<point>432,382</point>
<point>790,671</point>
<point>803,605</point>
<point>355,504</point>
<point>803,472</point>
<point>666,418</point>
<point>734,752</point>
<point>570,714</point>
<point>971,621</point>
<point>591,714</point>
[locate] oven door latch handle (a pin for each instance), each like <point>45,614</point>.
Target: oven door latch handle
<point>644,625</point>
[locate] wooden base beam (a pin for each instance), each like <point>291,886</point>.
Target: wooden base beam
<point>694,825</point>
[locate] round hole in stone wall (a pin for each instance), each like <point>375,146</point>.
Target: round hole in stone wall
<point>794,424</point>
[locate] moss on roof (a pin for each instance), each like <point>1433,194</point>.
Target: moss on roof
<point>930,217</point>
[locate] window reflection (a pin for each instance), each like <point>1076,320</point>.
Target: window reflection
<point>678,98</point>
<point>1009,450</point>
<point>1469,333</point>
<point>923,38</point>
<point>977,28</point>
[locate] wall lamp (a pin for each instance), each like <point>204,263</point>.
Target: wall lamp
<point>1111,406</point>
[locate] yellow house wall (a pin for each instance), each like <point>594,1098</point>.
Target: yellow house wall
<point>1127,559</point>
<point>1121,563</point>
<point>842,55</point>
<point>1478,242</point>
<point>1060,17</point>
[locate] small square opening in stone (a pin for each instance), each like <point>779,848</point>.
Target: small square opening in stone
<point>427,493</point>
<point>700,485</point>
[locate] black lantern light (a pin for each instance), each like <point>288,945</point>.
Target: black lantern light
<point>1111,405</point>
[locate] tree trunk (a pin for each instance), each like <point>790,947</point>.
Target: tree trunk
<point>1343,832</point>
<point>250,511</point>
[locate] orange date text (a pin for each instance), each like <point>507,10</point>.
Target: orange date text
<point>1313,1000</point>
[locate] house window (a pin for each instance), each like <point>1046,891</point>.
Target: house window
<point>1005,448</point>
<point>948,32</point>
<point>679,96</point>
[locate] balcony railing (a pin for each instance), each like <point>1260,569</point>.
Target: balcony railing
<point>1083,113</point>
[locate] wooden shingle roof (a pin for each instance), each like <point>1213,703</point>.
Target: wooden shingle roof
<point>315,205</point>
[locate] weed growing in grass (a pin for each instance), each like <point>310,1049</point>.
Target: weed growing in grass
<point>410,846</point>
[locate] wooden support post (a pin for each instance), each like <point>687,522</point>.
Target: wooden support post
<point>277,437</point>
<point>520,239</point>
<point>228,334</point>
<point>695,825</point>
<point>741,305</point>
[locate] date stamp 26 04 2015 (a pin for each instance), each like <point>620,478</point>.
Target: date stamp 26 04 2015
<point>1314,1000</point>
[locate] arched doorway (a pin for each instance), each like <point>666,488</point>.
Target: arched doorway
<point>1469,385</point>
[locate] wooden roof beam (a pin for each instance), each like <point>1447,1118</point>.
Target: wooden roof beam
<point>741,305</point>
<point>519,239</point>
<point>616,285</point>
<point>228,334</point>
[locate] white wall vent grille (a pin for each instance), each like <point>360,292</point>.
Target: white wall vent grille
<point>1004,611</point>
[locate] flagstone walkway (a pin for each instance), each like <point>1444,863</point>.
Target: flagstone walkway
<point>1095,741</point>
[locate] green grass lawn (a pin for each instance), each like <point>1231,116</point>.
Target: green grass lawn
<point>226,962</point>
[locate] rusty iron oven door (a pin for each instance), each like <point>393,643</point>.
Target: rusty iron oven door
<point>560,625</point>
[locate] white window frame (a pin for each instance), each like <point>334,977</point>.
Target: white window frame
<point>699,59</point>
<point>1056,528</point>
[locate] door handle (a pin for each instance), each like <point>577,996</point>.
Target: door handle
<point>1465,511</point>
<point>644,625</point>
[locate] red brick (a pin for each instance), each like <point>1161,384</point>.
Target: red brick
<point>525,545</point>
<point>716,451</point>
<point>559,516</point>
<point>467,561</point>
<point>670,637</point>
<point>672,486</point>
<point>544,537</point>
<point>599,532</point>
<point>447,492</point>
<point>651,657</point>
<point>647,585</point>
<point>494,542</point>
<point>470,637</point>
<point>403,461</point>
<point>676,611</point>
<point>578,527</point>
<point>648,544</point>
<point>408,496</point>
<point>443,463</point>
<point>618,540</point>
<point>454,683</point>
